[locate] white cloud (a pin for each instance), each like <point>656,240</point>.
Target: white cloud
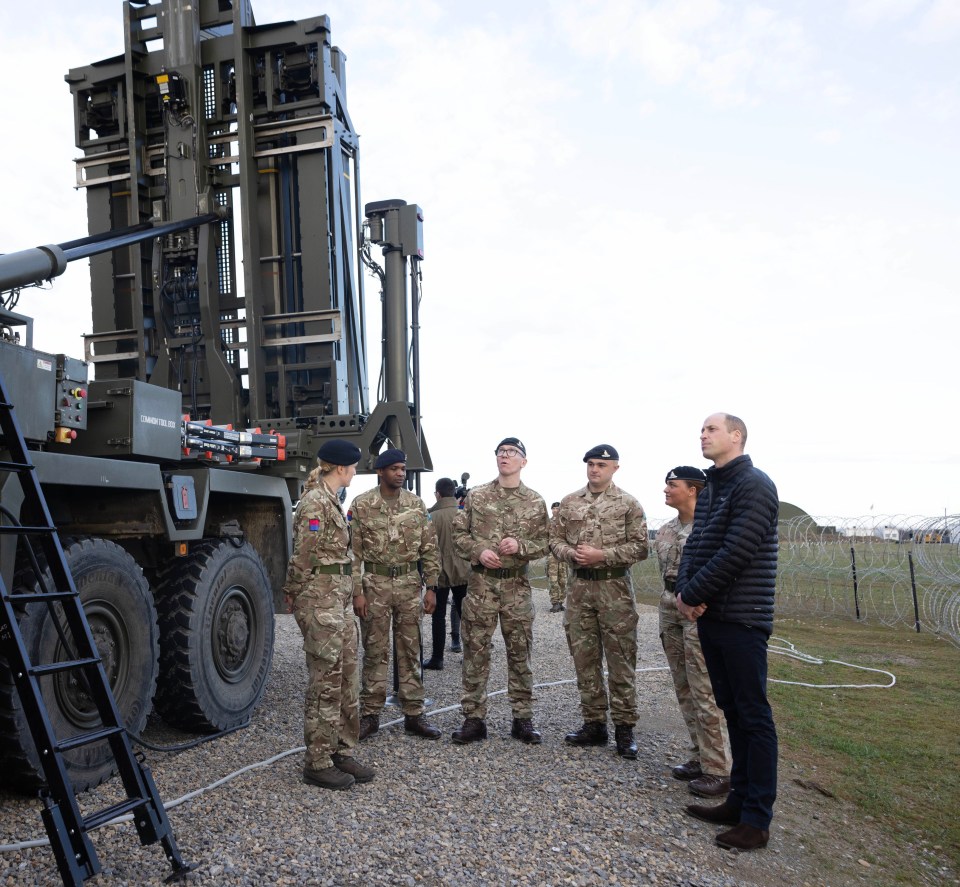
<point>733,53</point>
<point>828,136</point>
<point>873,12</point>
<point>940,23</point>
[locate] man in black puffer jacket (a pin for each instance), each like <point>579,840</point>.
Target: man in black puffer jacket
<point>726,582</point>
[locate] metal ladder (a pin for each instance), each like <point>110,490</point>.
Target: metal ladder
<point>66,827</point>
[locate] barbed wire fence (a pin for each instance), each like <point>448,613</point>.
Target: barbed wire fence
<point>893,570</point>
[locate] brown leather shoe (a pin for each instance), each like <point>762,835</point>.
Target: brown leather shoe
<point>623,736</point>
<point>690,770</point>
<point>472,730</point>
<point>744,837</point>
<point>721,814</point>
<point>347,764</point>
<point>369,724</point>
<point>591,733</point>
<point>418,725</point>
<point>329,777</point>
<point>710,786</point>
<point>524,730</point>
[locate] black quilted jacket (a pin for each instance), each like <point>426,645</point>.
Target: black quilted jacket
<point>730,560</point>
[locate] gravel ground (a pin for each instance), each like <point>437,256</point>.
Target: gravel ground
<point>496,812</point>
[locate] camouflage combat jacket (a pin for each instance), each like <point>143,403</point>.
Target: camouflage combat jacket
<point>394,532</point>
<point>320,536</point>
<point>614,522</point>
<point>492,513</point>
<point>669,546</point>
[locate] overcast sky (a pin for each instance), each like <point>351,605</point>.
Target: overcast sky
<point>636,213</point>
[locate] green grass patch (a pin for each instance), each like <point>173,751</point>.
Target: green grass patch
<point>892,753</point>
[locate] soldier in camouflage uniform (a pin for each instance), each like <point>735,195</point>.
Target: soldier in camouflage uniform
<point>601,530</point>
<point>556,574</point>
<point>709,766</point>
<point>502,527</point>
<point>319,592</point>
<point>391,532</point>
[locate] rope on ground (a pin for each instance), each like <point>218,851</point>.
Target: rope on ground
<point>791,651</point>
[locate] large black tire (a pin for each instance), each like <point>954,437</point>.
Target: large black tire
<point>216,637</point>
<point>123,621</point>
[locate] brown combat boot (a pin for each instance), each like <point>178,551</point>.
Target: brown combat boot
<point>626,746</point>
<point>347,764</point>
<point>418,725</point>
<point>690,770</point>
<point>472,730</point>
<point>709,786</point>
<point>369,724</point>
<point>524,730</point>
<point>591,733</point>
<point>328,777</point>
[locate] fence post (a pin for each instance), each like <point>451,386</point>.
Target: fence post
<point>853,568</point>
<point>913,585</point>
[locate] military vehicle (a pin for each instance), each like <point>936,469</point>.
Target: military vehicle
<point>170,454</point>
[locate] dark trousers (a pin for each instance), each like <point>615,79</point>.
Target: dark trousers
<point>439,617</point>
<point>736,657</point>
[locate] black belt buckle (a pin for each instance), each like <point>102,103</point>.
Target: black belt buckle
<point>394,572</point>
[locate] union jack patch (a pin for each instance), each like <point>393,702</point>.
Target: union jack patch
<point>314,524</point>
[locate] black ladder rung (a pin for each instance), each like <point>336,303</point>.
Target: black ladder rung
<point>66,665</point>
<point>26,531</point>
<point>28,597</point>
<point>17,466</point>
<point>87,738</point>
<point>95,820</point>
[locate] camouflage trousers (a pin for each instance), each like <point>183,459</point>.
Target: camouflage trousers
<point>557,579</point>
<point>396,603</point>
<point>331,717</point>
<point>489,600</point>
<point>601,621</point>
<point>705,722</point>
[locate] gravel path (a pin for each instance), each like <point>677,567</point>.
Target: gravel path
<point>496,812</point>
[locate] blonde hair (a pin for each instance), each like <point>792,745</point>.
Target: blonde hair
<point>315,478</point>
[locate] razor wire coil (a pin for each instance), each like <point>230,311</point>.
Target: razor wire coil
<point>860,568</point>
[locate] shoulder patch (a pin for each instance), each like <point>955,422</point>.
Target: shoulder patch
<point>314,525</point>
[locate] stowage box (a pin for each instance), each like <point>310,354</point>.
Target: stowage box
<point>130,418</point>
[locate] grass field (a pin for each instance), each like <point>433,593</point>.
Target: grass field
<point>893,753</point>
